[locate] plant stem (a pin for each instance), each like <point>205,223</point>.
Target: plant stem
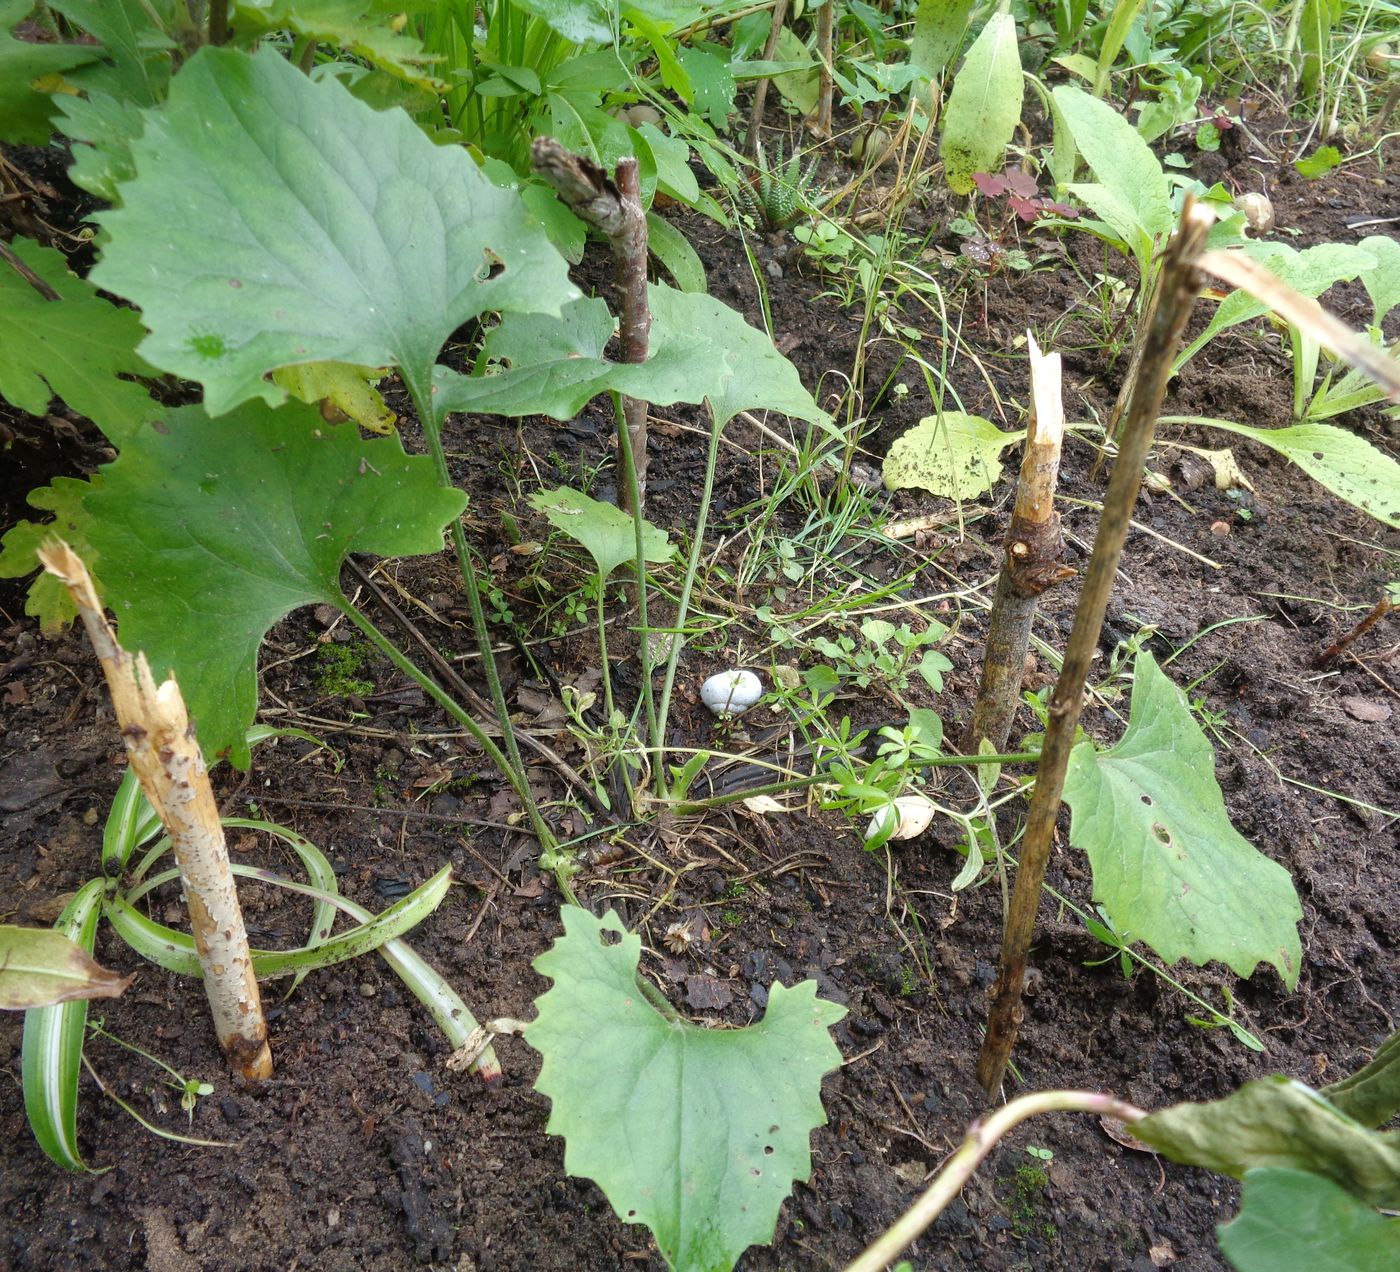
<point>760,89</point>
<point>1178,290</point>
<point>218,22</point>
<point>511,765</point>
<point>982,1137</point>
<point>788,785</point>
<point>1032,561</point>
<point>826,25</point>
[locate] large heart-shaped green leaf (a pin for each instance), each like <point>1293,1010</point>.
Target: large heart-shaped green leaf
<point>211,530</point>
<point>276,221</point>
<point>24,112</point>
<point>953,455</point>
<point>700,349</point>
<point>1169,869</point>
<point>697,1133</point>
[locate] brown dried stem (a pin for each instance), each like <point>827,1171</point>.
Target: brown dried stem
<point>1177,292</point>
<point>614,209</point>
<point>161,748</point>
<point>826,27</point>
<point>760,88</point>
<point>1031,565</point>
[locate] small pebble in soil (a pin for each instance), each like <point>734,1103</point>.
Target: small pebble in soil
<point>1220,529</point>
<point>90,817</point>
<point>367,990</point>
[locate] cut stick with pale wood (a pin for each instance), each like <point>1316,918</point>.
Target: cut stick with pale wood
<point>1034,546</point>
<point>161,748</point>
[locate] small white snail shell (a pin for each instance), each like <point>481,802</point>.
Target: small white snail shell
<point>914,812</point>
<point>731,693</point>
<point>1258,211</point>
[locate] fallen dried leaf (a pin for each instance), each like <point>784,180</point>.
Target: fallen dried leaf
<point>1371,710</point>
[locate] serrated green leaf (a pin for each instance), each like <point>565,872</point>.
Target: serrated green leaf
<point>47,598</point>
<point>53,1046</point>
<point>1277,1121</point>
<point>1345,463</point>
<point>700,349</point>
<point>212,530</point>
<point>40,967</point>
<point>75,347</point>
<point>362,28</point>
<point>984,107</point>
<point>1295,1221</point>
<point>1319,163</point>
<point>309,229</point>
<point>105,127</point>
<point>1371,1095</point>
<point>953,455</point>
<point>711,81</point>
<point>578,21</point>
<point>24,112</point>
<point>1169,869</point>
<point>697,1133</point>
<point>604,530</point>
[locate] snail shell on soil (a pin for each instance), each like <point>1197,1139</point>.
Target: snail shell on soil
<point>1258,211</point>
<point>913,811</point>
<point>731,693</point>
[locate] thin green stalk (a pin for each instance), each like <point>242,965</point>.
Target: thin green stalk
<point>816,779</point>
<point>692,569</point>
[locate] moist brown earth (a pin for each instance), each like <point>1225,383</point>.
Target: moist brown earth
<point>366,1152</point>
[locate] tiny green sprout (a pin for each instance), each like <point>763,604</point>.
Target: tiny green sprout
<point>1040,1154</point>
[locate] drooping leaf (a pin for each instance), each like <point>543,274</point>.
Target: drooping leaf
<point>341,391</point>
<point>364,28</point>
<point>938,30</point>
<point>1277,1121</point>
<point>578,21</point>
<point>53,1045</point>
<point>675,253</point>
<point>1127,170</point>
<point>211,530</point>
<point>798,88</point>
<point>76,347</point>
<point>984,106</point>
<point>1371,1095</point>
<point>697,1133</point>
<point>700,349</point>
<point>1342,461</point>
<point>953,455</point>
<point>1382,282</point>
<point>311,229</point>
<point>48,599</point>
<point>604,529</point>
<point>1169,869</point>
<point>40,967</point>
<point>1295,1221</point>
<point>1310,272</point>
<point>25,113</point>
<point>136,46</point>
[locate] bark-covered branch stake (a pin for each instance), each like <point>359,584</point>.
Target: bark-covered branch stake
<point>1177,293</point>
<point>615,210</point>
<point>161,748</point>
<point>1031,565</point>
<point>826,51</point>
<point>760,89</point>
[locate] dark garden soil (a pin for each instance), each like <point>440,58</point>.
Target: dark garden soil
<point>366,1152</point>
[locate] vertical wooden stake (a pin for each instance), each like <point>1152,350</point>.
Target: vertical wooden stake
<point>1176,296</point>
<point>760,89</point>
<point>161,748</point>
<point>1034,546</point>
<point>826,51</point>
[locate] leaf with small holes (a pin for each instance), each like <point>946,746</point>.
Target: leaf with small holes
<point>275,221</point>
<point>697,1133</point>
<point>1169,868</point>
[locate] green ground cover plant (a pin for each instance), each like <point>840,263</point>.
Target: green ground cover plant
<point>305,200</point>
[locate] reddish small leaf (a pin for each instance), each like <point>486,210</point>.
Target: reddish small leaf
<point>989,185</point>
<point>1022,183</point>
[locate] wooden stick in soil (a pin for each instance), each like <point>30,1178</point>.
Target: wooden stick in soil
<point>760,88</point>
<point>161,748</point>
<point>826,27</point>
<point>615,210</point>
<point>1031,565</point>
<point>1177,293</point>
